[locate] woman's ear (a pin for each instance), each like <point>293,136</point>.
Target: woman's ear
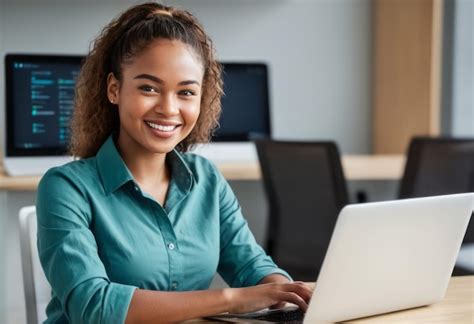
<point>113,87</point>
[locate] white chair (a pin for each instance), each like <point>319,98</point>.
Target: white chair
<point>37,288</point>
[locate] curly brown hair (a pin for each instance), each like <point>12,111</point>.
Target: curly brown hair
<point>95,118</point>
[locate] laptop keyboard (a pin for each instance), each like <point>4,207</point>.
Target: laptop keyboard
<point>291,316</point>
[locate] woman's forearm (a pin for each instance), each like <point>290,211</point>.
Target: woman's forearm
<point>160,307</point>
<point>149,306</point>
<point>274,277</point>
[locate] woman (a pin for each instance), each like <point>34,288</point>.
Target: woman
<point>135,230</point>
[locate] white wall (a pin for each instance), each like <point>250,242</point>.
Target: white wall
<point>463,70</point>
<point>319,53</point>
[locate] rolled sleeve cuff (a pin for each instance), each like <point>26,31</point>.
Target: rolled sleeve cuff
<point>117,306</point>
<point>255,279</point>
<point>99,302</point>
<point>254,274</point>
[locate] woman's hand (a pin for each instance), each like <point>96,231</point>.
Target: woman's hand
<point>250,299</point>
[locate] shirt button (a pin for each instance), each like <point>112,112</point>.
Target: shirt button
<point>136,188</point>
<point>174,285</point>
<point>171,246</point>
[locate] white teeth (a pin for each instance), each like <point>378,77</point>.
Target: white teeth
<point>162,128</point>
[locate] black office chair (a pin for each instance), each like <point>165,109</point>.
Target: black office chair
<point>440,166</point>
<point>306,189</point>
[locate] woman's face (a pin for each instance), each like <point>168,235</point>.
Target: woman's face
<point>158,97</point>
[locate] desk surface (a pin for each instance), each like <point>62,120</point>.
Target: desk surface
<point>457,307</point>
<point>356,167</point>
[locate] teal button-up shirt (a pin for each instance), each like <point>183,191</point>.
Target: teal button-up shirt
<point>100,237</point>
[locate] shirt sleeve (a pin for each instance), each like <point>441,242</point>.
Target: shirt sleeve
<point>242,262</point>
<point>69,257</point>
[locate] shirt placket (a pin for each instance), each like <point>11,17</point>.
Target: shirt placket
<point>170,240</point>
<point>175,256</point>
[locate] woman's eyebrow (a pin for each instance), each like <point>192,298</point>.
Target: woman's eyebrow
<point>158,80</point>
<point>187,82</point>
<point>149,77</point>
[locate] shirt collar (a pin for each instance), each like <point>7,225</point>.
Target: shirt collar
<point>180,172</point>
<point>115,173</point>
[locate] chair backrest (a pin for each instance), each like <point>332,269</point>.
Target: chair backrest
<point>36,287</point>
<point>306,189</point>
<point>439,166</point>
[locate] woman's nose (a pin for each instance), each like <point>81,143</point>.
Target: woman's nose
<point>167,105</point>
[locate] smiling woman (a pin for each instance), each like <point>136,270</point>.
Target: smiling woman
<point>158,97</point>
<point>136,228</point>
<point>127,43</point>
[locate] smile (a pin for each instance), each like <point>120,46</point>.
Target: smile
<point>163,128</point>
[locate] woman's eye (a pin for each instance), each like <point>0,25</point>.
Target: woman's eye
<point>148,88</point>
<point>187,93</point>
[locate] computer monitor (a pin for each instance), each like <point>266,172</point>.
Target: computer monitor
<point>245,114</point>
<point>245,105</point>
<point>40,101</point>
<point>39,105</point>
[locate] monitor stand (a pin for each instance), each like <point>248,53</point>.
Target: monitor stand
<point>228,152</point>
<point>32,166</point>
<point>222,152</point>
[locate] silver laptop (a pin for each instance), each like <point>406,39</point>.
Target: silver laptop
<point>386,256</point>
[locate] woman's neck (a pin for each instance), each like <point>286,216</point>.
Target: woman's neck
<point>149,169</point>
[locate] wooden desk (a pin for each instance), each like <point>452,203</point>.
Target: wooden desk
<point>356,167</point>
<point>457,308</point>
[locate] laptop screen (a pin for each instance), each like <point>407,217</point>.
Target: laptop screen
<point>39,103</point>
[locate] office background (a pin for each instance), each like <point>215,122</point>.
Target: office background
<point>320,58</point>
